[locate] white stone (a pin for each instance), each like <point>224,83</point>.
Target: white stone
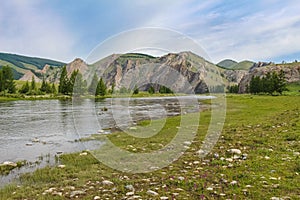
<point>106,182</point>
<point>83,154</point>
<point>233,182</point>
<point>97,198</point>
<point>152,193</point>
<point>129,193</point>
<point>235,151</point>
<point>164,198</point>
<point>61,166</point>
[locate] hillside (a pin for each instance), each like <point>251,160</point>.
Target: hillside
<point>22,65</point>
<point>227,63</point>
<point>233,65</point>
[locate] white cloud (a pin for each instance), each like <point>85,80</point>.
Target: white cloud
<point>28,28</point>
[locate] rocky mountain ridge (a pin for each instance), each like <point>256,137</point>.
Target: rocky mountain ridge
<point>177,70</point>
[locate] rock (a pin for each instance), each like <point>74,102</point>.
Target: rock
<point>76,193</point>
<point>9,163</point>
<point>152,193</point>
<point>235,151</point>
<point>180,178</point>
<point>97,198</point>
<point>233,182</point>
<point>164,198</point>
<point>106,182</point>
<point>187,143</point>
<point>129,193</point>
<point>210,189</point>
<point>83,154</point>
<point>276,198</point>
<point>61,166</point>
<point>129,187</point>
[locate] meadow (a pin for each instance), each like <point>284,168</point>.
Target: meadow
<point>265,130</point>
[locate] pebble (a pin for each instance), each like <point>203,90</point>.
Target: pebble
<point>152,193</point>
<point>83,154</point>
<point>129,193</point>
<point>61,166</point>
<point>129,187</point>
<point>210,189</point>
<point>106,182</point>
<point>97,198</point>
<point>76,192</point>
<point>233,182</point>
<point>235,151</point>
<point>164,198</point>
<point>180,178</point>
<point>9,163</point>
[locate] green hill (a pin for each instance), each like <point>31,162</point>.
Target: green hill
<point>244,65</point>
<point>228,63</point>
<point>22,64</point>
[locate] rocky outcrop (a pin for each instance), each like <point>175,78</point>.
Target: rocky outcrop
<point>28,77</point>
<point>180,72</point>
<point>234,76</point>
<point>77,64</point>
<point>291,71</point>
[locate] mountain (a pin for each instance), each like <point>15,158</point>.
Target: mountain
<point>179,71</point>
<point>22,65</point>
<point>227,63</point>
<point>233,65</point>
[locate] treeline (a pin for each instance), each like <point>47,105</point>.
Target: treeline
<point>270,83</point>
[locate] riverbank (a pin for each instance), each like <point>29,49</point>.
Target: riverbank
<point>257,156</point>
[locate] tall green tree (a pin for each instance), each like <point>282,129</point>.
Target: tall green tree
<point>101,88</point>
<point>45,87</point>
<point>151,90</point>
<point>71,82</point>
<point>7,80</point>
<point>53,89</point>
<point>63,82</point>
<point>93,86</point>
<point>80,85</point>
<point>33,85</point>
<point>25,88</point>
<point>136,90</point>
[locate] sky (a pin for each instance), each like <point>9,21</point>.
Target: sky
<point>257,30</point>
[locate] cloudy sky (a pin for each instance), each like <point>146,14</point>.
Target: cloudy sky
<point>258,30</point>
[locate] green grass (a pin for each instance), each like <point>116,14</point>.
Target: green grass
<point>264,128</point>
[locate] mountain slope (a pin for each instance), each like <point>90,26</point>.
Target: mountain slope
<point>23,64</point>
<point>227,63</point>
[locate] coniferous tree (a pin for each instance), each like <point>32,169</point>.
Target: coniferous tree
<point>135,90</point>
<point>33,85</point>
<point>53,89</point>
<point>101,88</point>
<point>71,82</point>
<point>63,81</point>
<point>151,90</point>
<point>25,88</point>
<point>79,87</point>
<point>93,86</point>
<point>7,80</point>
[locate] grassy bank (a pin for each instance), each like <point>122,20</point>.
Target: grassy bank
<point>264,128</point>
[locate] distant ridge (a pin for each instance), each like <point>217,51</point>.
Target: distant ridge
<point>21,64</point>
<point>231,64</point>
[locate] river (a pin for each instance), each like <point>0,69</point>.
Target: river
<point>31,129</point>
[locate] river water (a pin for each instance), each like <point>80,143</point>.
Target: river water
<point>30,129</point>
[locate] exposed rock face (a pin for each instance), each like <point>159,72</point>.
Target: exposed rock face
<point>77,64</point>
<point>28,77</point>
<point>292,73</point>
<point>183,72</point>
<point>234,76</point>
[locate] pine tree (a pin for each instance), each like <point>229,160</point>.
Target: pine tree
<point>71,82</point>
<point>25,88</point>
<point>63,81</point>
<point>7,80</point>
<point>33,85</point>
<point>93,86</point>
<point>53,89</point>
<point>135,90</point>
<point>101,88</point>
<point>151,90</point>
<point>79,87</point>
